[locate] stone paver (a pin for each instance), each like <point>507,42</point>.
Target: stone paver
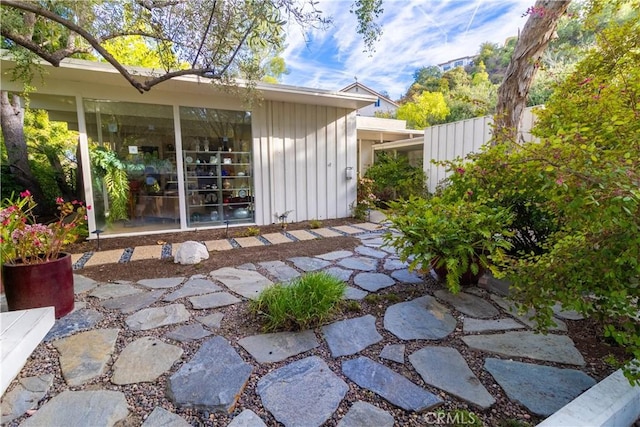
<point>347,229</point>
<point>566,314</point>
<point>406,276</point>
<point>446,369</point>
<point>130,303</point>
<point>394,352</point>
<point>359,263</point>
<point>154,317</point>
<point>84,356</point>
<point>351,336</point>
<point>161,283</point>
<point>248,242</point>
<point>307,264</point>
<point>276,238</point>
<point>212,380</point>
<point>280,271</point>
<point>218,299</point>
<point>302,393</point>
<point>363,414</point>
<point>104,257</point>
<point>339,273</point>
<point>114,290</point>
<point>24,396</point>
<point>325,232</point>
<point>81,408</point>
<point>73,322</point>
<point>335,255</point>
<point>144,360</point>
<point>83,284</point>
<point>302,235</point>
<point>354,293</point>
<point>193,286</point>
<point>247,283</point>
<point>526,318</point>
<point>218,245</point>
<point>390,385</point>
<point>188,333</point>
<point>421,318</point>
<point>247,418</point>
<point>542,389</point>
<point>268,348</point>
<point>468,304</point>
<point>471,325</point>
<point>371,252</point>
<point>551,348</point>
<point>373,282</point>
<point>160,417</point>
<point>369,225</point>
<point>212,321</point>
<point>395,264</point>
<point>146,252</point>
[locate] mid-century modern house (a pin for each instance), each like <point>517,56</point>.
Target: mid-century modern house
<point>383,104</point>
<point>197,156</point>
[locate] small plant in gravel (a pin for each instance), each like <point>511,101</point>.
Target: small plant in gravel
<point>251,231</point>
<point>352,306</point>
<point>301,304</point>
<point>315,223</point>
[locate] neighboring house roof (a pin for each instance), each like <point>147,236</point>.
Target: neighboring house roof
<point>368,90</point>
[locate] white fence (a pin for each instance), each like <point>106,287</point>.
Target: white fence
<point>457,139</point>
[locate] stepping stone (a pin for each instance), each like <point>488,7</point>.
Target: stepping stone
<point>83,284</point>
<point>339,273</point>
<point>309,264</point>
<point>566,314</point>
<point>84,356</point>
<point>542,389</point>
<point>371,252</point>
<point>219,299</point>
<point>393,352</point>
<point>161,417</point>
<point>144,360</point>
<point>247,283</point>
<point>422,318</point>
<point>372,240</point>
<point>154,317</point>
<point>390,385</point>
<point>395,264</point>
<point>472,325</point>
<point>113,290</point>
<point>280,271</point>
<point>74,322</point>
<point>526,318</point>
<point>470,305</point>
<point>247,418</point>
<point>335,255</point>
<point>406,276</point>
<point>351,336</point>
<point>24,396</point>
<point>268,348</point>
<point>131,303</point>
<point>212,321</point>
<point>354,293</point>
<point>363,414</point>
<point>303,393</point>
<point>373,282</point>
<point>81,408</point>
<point>446,369</point>
<point>193,287</point>
<point>188,333</point>
<point>212,380</point>
<point>551,348</point>
<point>161,283</point>
<point>247,266</point>
<point>359,263</point>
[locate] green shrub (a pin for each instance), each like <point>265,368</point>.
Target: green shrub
<point>315,223</point>
<point>301,304</point>
<point>394,178</point>
<point>251,231</point>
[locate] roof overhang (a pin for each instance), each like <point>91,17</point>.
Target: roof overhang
<point>411,144</point>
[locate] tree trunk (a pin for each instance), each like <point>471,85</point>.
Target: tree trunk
<point>12,120</point>
<point>533,40</point>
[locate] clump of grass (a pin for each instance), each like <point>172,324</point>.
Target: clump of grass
<point>352,306</point>
<point>315,223</point>
<point>251,231</point>
<point>301,304</point>
<point>380,298</point>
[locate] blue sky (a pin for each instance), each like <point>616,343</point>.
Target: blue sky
<point>415,33</point>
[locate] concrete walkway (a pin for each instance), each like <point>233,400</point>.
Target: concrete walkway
<point>303,390</point>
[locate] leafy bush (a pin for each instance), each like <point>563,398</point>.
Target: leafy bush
<point>394,178</point>
<point>304,303</point>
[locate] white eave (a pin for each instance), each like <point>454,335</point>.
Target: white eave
<point>401,145</point>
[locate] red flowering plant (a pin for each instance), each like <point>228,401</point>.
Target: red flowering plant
<point>23,240</point>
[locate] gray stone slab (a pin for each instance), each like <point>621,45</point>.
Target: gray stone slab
<point>212,321</point>
<point>335,255</point>
<point>70,324</point>
<point>340,273</point>
<point>309,264</point>
<point>130,303</point>
<point>359,263</point>
<point>24,396</point>
<point>468,304</point>
<point>212,380</point>
<point>247,418</point>
<point>373,240</point>
<point>160,417</point>
<point>113,290</point>
<point>84,356</point>
<point>155,317</point>
<point>280,271</point>
<point>526,318</point>
<point>406,276</point>
<point>303,393</point>
<point>144,360</point>
<point>472,325</point>
<point>193,286</point>
<point>100,408</point>
<point>83,284</point>
<point>351,335</point>
<point>363,414</point>
<point>268,348</point>
<point>395,264</point>
<point>446,369</point>
<point>542,389</point>
<point>247,283</point>
<point>371,252</point>
<point>188,333</point>
<point>161,283</point>
<point>393,352</point>
<point>218,299</point>
<point>390,385</point>
<point>551,348</point>
<point>373,282</point>
<point>421,318</point>
<point>354,293</point>
<point>566,314</point>
<point>248,266</point>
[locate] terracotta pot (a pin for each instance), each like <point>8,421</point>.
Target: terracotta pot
<point>40,285</point>
<point>467,279</point>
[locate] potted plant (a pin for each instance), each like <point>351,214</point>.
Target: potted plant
<point>35,270</point>
<point>459,239</point>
